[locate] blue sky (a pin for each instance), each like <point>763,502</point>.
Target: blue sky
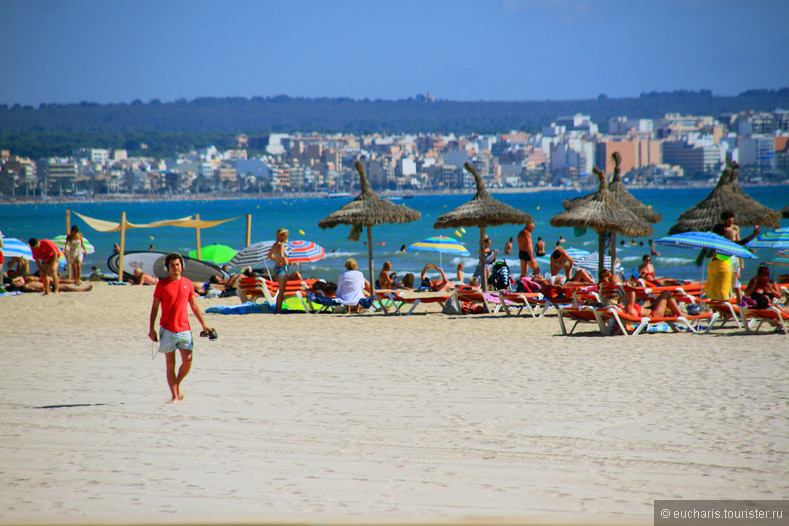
<point>118,51</point>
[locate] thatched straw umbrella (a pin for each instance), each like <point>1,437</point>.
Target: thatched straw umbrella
<point>482,211</point>
<point>727,195</point>
<point>368,210</point>
<point>603,213</point>
<point>620,193</point>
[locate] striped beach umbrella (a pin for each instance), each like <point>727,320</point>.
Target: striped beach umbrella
<point>253,256</point>
<point>305,251</point>
<point>14,248</point>
<point>60,242</point>
<point>442,245</point>
<point>699,240</point>
<point>778,238</point>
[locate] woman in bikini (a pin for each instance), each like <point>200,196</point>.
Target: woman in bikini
<point>75,252</point>
<point>279,253</point>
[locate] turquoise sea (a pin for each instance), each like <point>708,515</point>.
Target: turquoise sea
<point>48,220</point>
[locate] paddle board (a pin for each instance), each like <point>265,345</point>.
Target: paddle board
<point>153,263</point>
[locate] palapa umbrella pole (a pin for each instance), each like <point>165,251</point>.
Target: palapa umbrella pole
<point>370,256</point>
<point>123,246</point>
<point>483,270</point>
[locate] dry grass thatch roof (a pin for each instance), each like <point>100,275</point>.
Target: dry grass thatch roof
<point>482,210</point>
<point>603,213</point>
<point>727,195</point>
<point>620,193</point>
<point>368,209</point>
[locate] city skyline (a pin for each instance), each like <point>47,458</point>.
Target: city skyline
<point>87,50</point>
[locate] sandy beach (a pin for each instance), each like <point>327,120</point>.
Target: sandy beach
<point>377,418</point>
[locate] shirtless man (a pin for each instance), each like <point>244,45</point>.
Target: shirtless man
<point>539,247</point>
<point>526,251</point>
<point>560,260</point>
<point>438,285</point>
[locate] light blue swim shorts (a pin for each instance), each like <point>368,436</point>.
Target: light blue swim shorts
<point>170,341</point>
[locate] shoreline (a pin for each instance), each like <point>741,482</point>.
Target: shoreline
<point>124,198</point>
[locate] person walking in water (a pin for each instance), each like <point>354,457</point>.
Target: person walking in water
<point>173,293</point>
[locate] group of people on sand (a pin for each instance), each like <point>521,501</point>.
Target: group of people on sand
<point>46,255</point>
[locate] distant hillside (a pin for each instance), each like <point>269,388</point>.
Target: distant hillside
<point>168,125</point>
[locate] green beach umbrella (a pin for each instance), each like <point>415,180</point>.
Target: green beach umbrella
<point>216,253</point>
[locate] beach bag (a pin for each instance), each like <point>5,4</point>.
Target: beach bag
<point>451,306</point>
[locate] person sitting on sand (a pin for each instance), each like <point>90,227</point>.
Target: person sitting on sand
<point>34,284</point>
<point>408,282</point>
<point>436,285</point>
<point>656,309</point>
<point>141,278</point>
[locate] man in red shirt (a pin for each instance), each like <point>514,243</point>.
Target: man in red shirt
<point>46,254</point>
<point>173,293</point>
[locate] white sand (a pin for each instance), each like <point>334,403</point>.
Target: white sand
<point>367,417</point>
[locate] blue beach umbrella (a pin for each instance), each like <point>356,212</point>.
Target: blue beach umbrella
<point>700,240</point>
<point>775,239</point>
<point>13,248</point>
<point>440,244</point>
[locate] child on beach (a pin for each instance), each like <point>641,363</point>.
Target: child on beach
<point>279,253</point>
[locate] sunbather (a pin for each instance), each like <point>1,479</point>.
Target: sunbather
<point>436,285</point>
<point>761,289</point>
<point>657,309</point>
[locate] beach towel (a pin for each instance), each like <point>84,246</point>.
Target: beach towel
<point>245,308</point>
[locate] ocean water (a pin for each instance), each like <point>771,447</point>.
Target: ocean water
<point>303,214</point>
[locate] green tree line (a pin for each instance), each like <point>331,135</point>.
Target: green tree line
<point>168,127</point>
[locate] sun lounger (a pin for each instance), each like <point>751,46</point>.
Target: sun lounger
<point>518,300</point>
<point>491,302</point>
<point>580,314</point>
<point>773,315</point>
<point>257,287</point>
<point>398,299</point>
<point>726,310</point>
<point>616,318</point>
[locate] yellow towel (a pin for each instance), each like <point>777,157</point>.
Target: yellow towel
<point>718,286</point>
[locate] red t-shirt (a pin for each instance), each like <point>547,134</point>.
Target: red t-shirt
<point>174,296</point>
<point>46,250</point>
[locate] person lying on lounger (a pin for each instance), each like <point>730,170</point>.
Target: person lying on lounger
<point>436,285</point>
<point>657,309</point>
